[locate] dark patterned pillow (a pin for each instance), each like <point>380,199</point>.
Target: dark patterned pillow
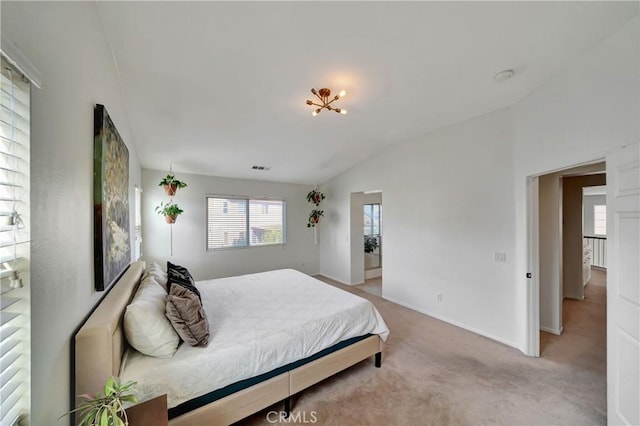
<point>179,271</point>
<point>180,275</point>
<point>186,313</point>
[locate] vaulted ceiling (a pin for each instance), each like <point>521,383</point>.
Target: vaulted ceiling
<point>217,87</point>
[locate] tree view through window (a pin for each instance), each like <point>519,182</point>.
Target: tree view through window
<point>244,222</point>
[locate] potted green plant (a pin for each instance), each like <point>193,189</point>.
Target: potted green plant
<point>314,217</point>
<point>107,408</point>
<point>314,196</point>
<point>370,244</point>
<point>170,211</point>
<point>171,184</point>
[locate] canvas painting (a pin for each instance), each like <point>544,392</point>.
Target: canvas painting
<point>112,251</point>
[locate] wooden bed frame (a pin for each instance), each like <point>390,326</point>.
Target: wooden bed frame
<point>100,345</point>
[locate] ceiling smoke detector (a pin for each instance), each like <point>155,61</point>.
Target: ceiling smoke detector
<point>505,75</point>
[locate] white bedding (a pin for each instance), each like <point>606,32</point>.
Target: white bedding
<point>258,322</point>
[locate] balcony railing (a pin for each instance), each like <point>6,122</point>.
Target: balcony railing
<point>598,247</point>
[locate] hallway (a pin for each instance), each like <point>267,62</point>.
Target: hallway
<point>583,343</point>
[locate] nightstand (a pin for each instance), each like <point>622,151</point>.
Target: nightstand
<point>149,413</point>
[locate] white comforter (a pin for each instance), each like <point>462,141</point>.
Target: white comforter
<point>258,322</point>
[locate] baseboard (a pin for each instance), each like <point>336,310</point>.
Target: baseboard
<point>335,279</point>
<point>552,330</point>
<point>455,323</point>
<point>573,297</point>
<point>373,273</point>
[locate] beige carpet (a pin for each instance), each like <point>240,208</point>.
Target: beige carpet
<point>434,373</point>
<point>371,286</point>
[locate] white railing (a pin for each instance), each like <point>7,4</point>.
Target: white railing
<point>598,246</point>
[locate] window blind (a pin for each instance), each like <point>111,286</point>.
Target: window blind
<point>14,244</point>
<point>600,220</point>
<point>243,222</point>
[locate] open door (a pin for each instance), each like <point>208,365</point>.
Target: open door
<point>623,282</point>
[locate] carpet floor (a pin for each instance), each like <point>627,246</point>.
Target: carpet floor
<point>434,373</point>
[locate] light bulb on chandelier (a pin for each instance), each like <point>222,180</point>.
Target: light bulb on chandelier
<point>324,96</point>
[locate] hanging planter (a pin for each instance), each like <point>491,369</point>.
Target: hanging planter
<point>171,184</point>
<point>314,196</point>
<point>314,218</point>
<point>170,211</point>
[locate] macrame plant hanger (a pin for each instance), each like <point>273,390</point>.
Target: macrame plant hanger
<point>171,239</point>
<point>171,224</point>
<point>315,197</point>
<point>171,210</point>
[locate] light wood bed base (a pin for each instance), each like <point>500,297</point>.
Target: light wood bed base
<point>100,345</point>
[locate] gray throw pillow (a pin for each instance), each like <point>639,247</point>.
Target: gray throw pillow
<point>186,314</point>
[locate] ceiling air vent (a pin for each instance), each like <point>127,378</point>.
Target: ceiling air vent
<point>260,168</point>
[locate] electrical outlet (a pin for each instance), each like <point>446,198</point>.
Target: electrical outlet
<point>500,257</point>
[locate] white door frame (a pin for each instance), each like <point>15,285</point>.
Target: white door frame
<point>532,338</point>
<point>533,268</point>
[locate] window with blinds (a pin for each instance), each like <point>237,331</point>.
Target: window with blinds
<point>235,222</point>
<point>138,224</point>
<point>14,244</point>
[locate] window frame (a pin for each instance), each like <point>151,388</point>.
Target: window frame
<point>379,221</point>
<point>247,231</point>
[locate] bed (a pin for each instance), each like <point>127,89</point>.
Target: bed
<point>272,367</point>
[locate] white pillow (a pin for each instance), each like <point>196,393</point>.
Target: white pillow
<point>145,325</point>
<point>154,270</point>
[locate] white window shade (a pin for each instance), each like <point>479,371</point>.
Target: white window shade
<point>14,244</point>
<point>600,220</point>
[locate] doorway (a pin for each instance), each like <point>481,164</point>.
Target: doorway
<point>367,245</point>
<point>621,381</point>
<point>572,315</point>
<point>372,217</point>
<point>564,266</point>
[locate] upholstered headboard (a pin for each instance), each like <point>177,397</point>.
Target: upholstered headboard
<point>100,342</point>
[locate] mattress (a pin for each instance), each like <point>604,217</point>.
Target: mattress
<point>258,322</point>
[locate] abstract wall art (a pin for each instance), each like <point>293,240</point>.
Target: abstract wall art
<point>112,251</point>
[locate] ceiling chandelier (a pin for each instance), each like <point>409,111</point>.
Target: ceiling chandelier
<point>324,94</point>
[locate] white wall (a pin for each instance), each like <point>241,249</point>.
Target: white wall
<point>445,214</point>
<point>189,231</point>
<point>65,42</point>
<point>459,194</point>
<point>550,252</point>
<point>356,237</point>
